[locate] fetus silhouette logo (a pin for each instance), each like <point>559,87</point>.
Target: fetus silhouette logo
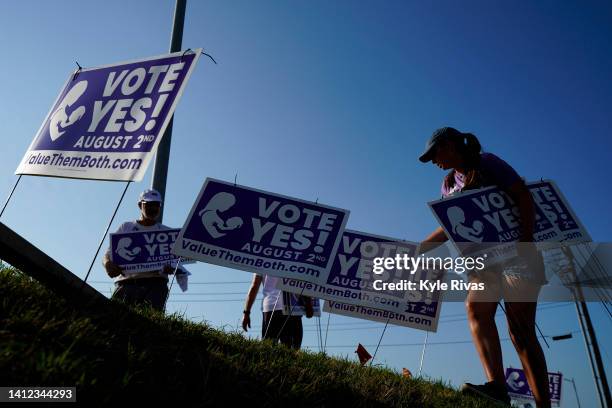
<point>456,216</point>
<point>514,381</point>
<point>66,113</point>
<point>124,251</point>
<point>212,217</point>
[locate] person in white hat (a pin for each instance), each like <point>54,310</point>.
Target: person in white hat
<point>143,287</point>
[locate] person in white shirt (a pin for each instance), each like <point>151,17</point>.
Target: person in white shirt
<point>143,287</point>
<point>276,325</point>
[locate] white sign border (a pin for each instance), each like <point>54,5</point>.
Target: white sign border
<point>145,163</point>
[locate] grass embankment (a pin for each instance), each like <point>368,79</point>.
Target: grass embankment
<point>115,354</point>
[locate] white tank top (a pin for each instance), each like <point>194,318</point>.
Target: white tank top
<point>273,298</point>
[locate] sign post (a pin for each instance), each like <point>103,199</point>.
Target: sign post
<point>518,389</point>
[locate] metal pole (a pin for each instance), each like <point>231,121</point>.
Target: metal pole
<point>326,331</point>
<point>320,333</point>
<point>379,341</point>
<point>423,354</point>
<point>10,195</point>
<point>575,390</point>
<point>178,263</point>
<point>590,340</point>
<point>598,369</point>
<point>106,231</point>
<point>160,170</point>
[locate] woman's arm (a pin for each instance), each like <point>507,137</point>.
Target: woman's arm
<point>251,295</point>
<point>437,236</point>
<point>524,201</point>
<point>433,240</point>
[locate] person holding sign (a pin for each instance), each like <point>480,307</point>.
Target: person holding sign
<point>142,287</point>
<point>276,326</point>
<point>470,168</point>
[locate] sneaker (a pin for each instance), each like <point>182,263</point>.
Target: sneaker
<point>491,390</point>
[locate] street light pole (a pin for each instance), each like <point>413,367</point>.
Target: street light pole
<point>160,170</point>
<point>592,346</point>
<point>575,390</point>
<point>588,332</point>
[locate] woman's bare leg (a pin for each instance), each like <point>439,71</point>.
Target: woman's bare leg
<point>481,317</point>
<point>521,324</point>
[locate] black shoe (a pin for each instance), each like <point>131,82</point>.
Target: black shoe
<point>490,390</point>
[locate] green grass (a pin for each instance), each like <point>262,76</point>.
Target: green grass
<point>115,354</point>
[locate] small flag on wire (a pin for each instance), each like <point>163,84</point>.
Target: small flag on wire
<point>406,373</point>
<point>363,354</point>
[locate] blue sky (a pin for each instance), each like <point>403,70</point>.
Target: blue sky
<point>331,100</point>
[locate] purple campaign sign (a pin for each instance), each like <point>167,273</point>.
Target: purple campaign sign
<point>489,215</point>
<point>350,288</point>
<point>519,390</point>
<point>407,318</point>
<point>107,121</point>
<point>554,381</point>
<point>351,279</point>
<point>257,231</point>
<point>144,251</point>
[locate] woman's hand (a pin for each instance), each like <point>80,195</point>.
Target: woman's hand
<point>246,313</point>
<point>308,307</point>
<point>246,321</point>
